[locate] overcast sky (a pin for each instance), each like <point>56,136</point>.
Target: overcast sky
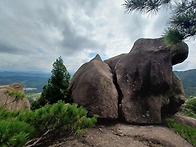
<point>34,33</point>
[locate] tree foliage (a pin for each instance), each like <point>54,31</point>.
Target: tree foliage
<point>57,87</point>
<point>44,124</point>
<point>14,133</point>
<point>190,108</point>
<point>182,24</point>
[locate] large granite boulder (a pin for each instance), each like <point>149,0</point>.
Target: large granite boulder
<point>140,86</point>
<point>92,87</point>
<point>11,102</point>
<point>146,80</point>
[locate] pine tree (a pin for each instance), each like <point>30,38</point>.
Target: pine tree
<point>182,24</point>
<point>57,87</point>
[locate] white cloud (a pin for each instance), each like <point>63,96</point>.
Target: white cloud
<point>35,33</point>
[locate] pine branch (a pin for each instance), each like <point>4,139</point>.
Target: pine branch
<point>185,7</point>
<point>183,20</point>
<point>145,6</point>
<point>36,141</point>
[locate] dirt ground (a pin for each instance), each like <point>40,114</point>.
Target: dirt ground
<point>126,135</point>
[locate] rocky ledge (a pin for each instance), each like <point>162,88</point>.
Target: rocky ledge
<point>126,135</point>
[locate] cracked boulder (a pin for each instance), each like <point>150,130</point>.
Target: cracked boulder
<point>147,81</point>
<point>138,87</point>
<point>92,87</point>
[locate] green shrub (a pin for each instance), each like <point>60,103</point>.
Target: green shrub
<point>70,118</point>
<point>173,36</point>
<point>16,94</point>
<point>4,114</point>
<point>190,106</point>
<point>58,118</point>
<point>187,132</point>
<point>15,133</point>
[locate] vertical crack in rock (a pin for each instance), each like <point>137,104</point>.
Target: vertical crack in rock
<point>119,95</point>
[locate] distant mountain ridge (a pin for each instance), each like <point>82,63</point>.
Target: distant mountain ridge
<point>188,79</point>
<point>27,74</point>
<point>27,79</point>
<point>39,79</point>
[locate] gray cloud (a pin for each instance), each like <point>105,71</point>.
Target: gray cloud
<point>11,49</point>
<point>74,42</point>
<point>89,7</point>
<point>37,32</point>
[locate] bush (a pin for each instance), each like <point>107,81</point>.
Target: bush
<point>16,94</point>
<point>15,133</point>
<point>57,118</point>
<point>173,36</point>
<point>190,106</point>
<point>187,132</point>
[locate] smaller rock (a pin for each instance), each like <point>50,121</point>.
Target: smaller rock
<point>10,102</point>
<point>185,120</point>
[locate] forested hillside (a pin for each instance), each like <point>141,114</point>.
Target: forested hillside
<point>188,79</point>
<point>27,80</point>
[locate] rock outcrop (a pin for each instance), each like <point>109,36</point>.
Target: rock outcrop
<point>10,102</point>
<point>140,84</point>
<point>126,135</point>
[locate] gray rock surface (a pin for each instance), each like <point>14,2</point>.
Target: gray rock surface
<point>92,87</point>
<point>146,80</point>
<point>10,102</point>
<point>112,61</point>
<point>123,135</point>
